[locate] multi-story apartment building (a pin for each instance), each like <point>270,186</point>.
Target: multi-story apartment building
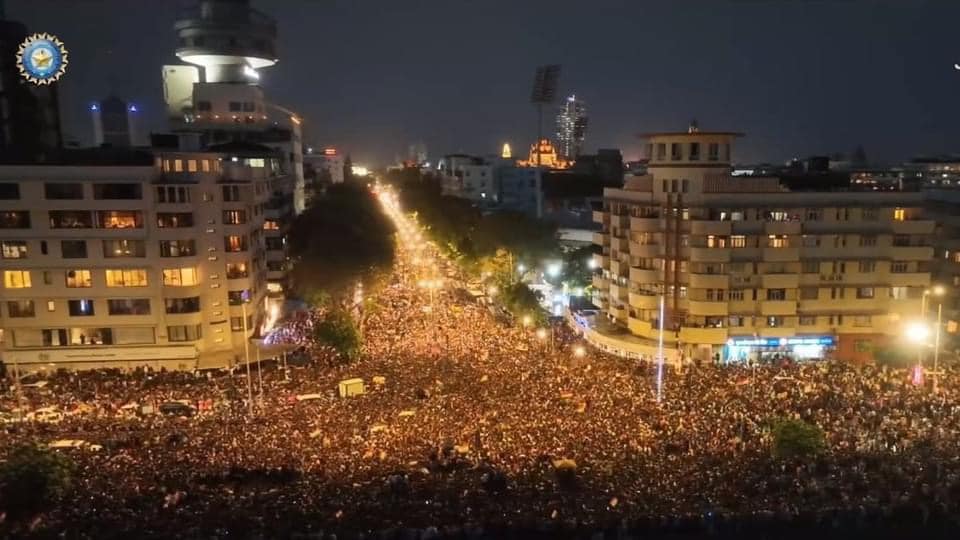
<point>943,206</point>
<point>749,269</point>
<point>124,265</point>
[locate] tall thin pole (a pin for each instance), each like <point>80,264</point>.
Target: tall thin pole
<point>246,354</point>
<point>923,319</point>
<point>936,349</point>
<point>539,129</point>
<point>259,372</point>
<point>660,354</point>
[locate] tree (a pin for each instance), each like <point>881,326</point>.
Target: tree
<point>521,301</point>
<point>337,330</point>
<point>576,267</point>
<point>794,438</point>
<point>32,479</point>
<point>343,238</point>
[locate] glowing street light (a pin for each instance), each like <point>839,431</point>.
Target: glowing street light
<point>554,270</point>
<point>521,268</point>
<point>591,263</point>
<point>492,291</point>
<point>918,332</point>
<point>527,320</point>
<point>541,333</point>
<point>579,351</point>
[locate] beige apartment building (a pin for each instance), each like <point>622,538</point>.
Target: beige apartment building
<point>129,265</point>
<point>750,270</point>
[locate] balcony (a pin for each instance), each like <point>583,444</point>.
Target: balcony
<point>601,238</point>
<point>781,254</point>
<point>911,253</point>
<point>643,301</point>
<point>620,243</point>
<point>703,336</point>
<point>913,279</point>
<point>644,224</point>
<point>782,227</point>
<point>641,328</point>
<point>746,254</point>
<point>706,309</point>
<point>841,253</point>
<point>619,268</point>
<point>600,282</point>
<point>601,217</point>
<point>778,307</point>
<point>780,281</point>
<point>913,227</point>
<point>645,251</point>
<point>705,254</point>
<point>715,228</point>
<point>709,281</point>
<point>619,312</point>
<point>643,275</point>
<point>600,261</point>
<point>617,292</point>
<point>620,220</point>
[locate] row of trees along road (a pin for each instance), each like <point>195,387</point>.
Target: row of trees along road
<point>484,244</point>
<point>342,240</point>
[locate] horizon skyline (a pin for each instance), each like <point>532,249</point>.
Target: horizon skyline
<point>471,97</point>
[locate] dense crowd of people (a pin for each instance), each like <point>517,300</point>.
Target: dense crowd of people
<point>470,427</point>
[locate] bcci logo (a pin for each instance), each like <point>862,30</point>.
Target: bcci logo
<point>42,59</point>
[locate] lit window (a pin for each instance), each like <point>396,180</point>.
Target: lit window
<point>79,279</point>
<point>899,214</point>
<point>738,241</point>
<point>180,277</point>
<point>191,165</point>
<point>126,278</point>
<point>178,165</point>
<point>205,165</point>
<point>778,241</point>
<point>14,249</point>
<point>119,219</point>
<point>16,279</point>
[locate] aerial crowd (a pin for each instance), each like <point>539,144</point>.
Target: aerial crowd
<point>470,427</point>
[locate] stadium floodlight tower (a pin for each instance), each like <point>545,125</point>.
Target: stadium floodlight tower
<point>228,39</point>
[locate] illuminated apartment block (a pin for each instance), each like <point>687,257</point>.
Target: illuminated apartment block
<point>125,265</point>
<point>751,270</point>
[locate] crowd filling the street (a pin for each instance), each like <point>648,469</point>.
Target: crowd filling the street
<point>468,425</point>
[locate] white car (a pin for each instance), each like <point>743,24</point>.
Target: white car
<point>46,415</point>
<point>72,444</point>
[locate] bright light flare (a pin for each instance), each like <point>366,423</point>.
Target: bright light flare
<point>918,332</point>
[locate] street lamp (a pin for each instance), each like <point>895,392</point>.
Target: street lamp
<point>526,320</point>
<point>938,291</point>
<point>579,351</point>
<point>541,333</point>
<point>918,332</point>
<point>553,270</point>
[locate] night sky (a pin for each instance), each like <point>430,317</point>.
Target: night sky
<point>371,76</point>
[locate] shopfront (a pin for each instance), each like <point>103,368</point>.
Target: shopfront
<point>771,349</point>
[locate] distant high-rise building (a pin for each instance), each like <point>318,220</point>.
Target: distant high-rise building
<point>29,114</point>
<point>114,122</point>
<point>417,153</point>
<point>506,153</point>
<point>571,128</point>
<point>219,98</point>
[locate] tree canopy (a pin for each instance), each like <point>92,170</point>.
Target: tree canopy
<point>31,479</point>
<point>793,438</point>
<point>338,330</point>
<point>342,238</point>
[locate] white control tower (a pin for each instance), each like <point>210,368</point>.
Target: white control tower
<point>228,39</point>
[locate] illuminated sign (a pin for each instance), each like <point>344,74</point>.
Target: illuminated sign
<point>774,342</point>
<point>42,59</point>
<point>329,151</point>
